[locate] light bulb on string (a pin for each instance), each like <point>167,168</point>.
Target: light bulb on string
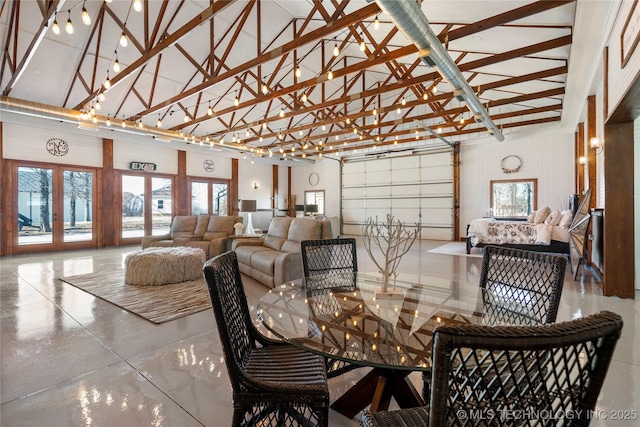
<point>159,123</point>
<point>137,5</point>
<point>98,106</point>
<point>304,98</point>
<point>55,28</point>
<point>376,23</point>
<point>330,75</point>
<point>101,96</point>
<point>298,72</point>
<point>123,40</point>
<point>236,101</point>
<point>123,123</point>
<point>69,27</point>
<point>210,110</point>
<point>281,112</point>
<point>140,125</point>
<point>116,65</point>
<point>265,89</point>
<point>108,121</point>
<point>404,101</point>
<point>363,45</point>
<point>86,19</point>
<point>186,118</point>
<point>336,50</point>
<point>107,82</point>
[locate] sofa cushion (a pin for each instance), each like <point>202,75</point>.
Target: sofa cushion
<point>301,229</point>
<point>277,233</point>
<point>219,227</point>
<point>183,226</point>
<point>201,225</point>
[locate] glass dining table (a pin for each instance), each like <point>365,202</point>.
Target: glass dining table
<point>344,316</point>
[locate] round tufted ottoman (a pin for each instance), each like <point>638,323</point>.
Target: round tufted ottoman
<point>161,266</point>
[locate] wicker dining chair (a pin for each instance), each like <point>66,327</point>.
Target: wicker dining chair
<point>329,265</point>
<point>524,288</point>
<point>274,383</point>
<point>482,375</point>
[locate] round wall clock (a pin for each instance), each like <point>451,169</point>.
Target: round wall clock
<point>208,165</point>
<point>57,147</point>
<point>314,178</point>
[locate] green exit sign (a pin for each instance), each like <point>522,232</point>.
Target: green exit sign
<point>142,166</point>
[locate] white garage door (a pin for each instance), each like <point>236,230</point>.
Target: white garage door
<point>414,189</point>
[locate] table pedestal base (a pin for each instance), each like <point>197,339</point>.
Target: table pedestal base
<point>376,389</point>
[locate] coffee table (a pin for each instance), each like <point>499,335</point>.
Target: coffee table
<point>161,266</point>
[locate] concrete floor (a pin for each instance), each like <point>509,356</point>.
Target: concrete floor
<point>70,359</point>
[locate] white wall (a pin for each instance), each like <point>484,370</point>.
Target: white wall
<point>196,159</point>
<point>328,171</point>
<point>547,157</point>
<point>256,173</point>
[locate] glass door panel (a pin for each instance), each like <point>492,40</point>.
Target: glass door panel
<point>199,198</point>
<point>132,206</point>
<point>161,209</point>
<point>35,204</point>
<point>78,206</point>
<point>220,199</point>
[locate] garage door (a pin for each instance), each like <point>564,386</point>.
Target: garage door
<point>414,189</point>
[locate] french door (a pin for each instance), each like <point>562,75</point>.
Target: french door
<point>55,208</point>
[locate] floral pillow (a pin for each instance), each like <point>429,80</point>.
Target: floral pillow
<point>553,218</point>
<point>566,218</point>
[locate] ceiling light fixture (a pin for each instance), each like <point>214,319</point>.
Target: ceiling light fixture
<point>86,19</point>
<point>123,40</point>
<point>55,28</point>
<point>69,27</point>
<point>116,64</point>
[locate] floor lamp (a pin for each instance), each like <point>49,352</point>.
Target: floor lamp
<point>248,206</point>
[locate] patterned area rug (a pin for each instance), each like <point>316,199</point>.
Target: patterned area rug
<point>456,248</point>
<point>157,304</point>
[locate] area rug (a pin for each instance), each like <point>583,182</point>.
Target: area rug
<point>157,304</point>
<point>456,248</point>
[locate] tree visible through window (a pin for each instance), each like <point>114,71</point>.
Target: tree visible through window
<point>513,198</point>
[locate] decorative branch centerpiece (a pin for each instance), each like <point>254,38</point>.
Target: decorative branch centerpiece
<point>391,239</point>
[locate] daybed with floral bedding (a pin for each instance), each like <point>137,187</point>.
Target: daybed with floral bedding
<point>544,231</point>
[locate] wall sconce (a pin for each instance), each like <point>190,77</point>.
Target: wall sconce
<point>596,145</point>
<point>582,160</point>
<point>255,186</point>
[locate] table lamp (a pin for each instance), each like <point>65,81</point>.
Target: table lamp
<point>311,209</point>
<point>248,206</point>
<point>299,211</point>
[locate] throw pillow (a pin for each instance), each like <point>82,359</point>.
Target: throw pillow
<point>532,217</point>
<point>541,215</point>
<point>566,218</point>
<point>553,218</point>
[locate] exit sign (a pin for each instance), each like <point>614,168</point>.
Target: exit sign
<point>142,166</point>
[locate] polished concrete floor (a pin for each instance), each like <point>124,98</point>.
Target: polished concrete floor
<point>70,359</point>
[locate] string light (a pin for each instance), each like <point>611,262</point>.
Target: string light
<point>404,101</point>
<point>123,40</point>
<point>116,64</point>
<point>298,72</point>
<point>376,23</point>
<point>107,82</point>
<point>210,110</point>
<point>186,118</point>
<point>236,101</point>
<point>336,50</point>
<point>123,123</point>
<point>330,75</point>
<point>159,123</point>
<point>108,121</point>
<point>304,98</point>
<point>137,5</point>
<point>363,46</point>
<point>101,96</point>
<point>281,112</point>
<point>265,89</point>
<point>86,19</point>
<point>69,27</point>
<point>55,27</point>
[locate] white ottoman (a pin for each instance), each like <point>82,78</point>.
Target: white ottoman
<point>161,266</point>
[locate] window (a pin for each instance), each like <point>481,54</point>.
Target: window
<point>513,198</point>
<point>160,205</point>
<point>314,198</point>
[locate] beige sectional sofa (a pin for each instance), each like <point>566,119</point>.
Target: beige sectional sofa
<point>275,258</point>
<point>207,232</point>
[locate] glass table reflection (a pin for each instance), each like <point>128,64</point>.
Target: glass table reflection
<point>343,316</point>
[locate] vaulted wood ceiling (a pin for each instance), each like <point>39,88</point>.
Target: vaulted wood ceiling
<point>187,61</point>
